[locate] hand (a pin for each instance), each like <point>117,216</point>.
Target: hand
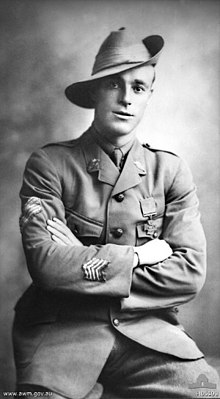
<point>153,251</point>
<point>61,234</point>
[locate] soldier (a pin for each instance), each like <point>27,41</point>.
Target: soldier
<point>114,244</point>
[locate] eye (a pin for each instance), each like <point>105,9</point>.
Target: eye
<point>138,89</point>
<point>113,84</point>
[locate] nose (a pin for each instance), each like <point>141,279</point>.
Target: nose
<point>125,96</point>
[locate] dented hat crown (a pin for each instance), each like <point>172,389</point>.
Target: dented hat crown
<point>120,51</point>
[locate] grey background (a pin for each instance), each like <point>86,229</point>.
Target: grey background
<point>45,45</point>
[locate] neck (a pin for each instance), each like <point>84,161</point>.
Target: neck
<point>115,140</point>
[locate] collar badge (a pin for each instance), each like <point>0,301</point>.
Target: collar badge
<point>140,166</point>
<point>93,165</point>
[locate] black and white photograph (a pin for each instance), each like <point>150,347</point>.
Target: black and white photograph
<point>110,199</point>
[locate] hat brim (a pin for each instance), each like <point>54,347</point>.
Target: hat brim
<point>79,93</point>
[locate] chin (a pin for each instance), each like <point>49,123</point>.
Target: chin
<point>121,129</point>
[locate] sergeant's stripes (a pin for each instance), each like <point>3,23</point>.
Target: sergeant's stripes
<point>94,269</point>
<point>31,208</point>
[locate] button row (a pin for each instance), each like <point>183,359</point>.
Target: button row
<point>119,197</point>
<point>117,232</point>
<point>116,322</point>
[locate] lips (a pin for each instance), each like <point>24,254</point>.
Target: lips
<point>123,114</point>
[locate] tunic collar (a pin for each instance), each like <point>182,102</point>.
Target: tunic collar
<point>97,160</point>
<point>107,146</point>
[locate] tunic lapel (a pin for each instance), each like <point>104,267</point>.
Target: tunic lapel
<point>98,161</point>
<point>108,172</point>
<point>134,167</point>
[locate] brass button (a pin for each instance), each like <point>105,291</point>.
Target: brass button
<point>155,234</point>
<point>117,233</point>
<point>75,230</point>
<point>116,322</point>
<point>119,197</point>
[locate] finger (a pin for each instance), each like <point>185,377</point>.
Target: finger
<point>58,241</point>
<point>59,221</point>
<point>63,232</point>
<point>53,230</point>
<point>58,234</point>
<point>59,227</point>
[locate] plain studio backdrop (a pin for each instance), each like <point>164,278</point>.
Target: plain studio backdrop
<point>46,45</point>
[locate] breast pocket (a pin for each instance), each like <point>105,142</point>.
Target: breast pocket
<point>88,231</point>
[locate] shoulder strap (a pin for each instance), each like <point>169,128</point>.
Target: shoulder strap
<point>146,145</point>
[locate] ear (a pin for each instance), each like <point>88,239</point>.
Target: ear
<point>150,95</point>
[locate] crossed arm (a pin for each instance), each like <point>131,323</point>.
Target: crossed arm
<point>152,252</point>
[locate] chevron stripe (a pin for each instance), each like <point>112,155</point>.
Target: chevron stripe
<point>94,269</point>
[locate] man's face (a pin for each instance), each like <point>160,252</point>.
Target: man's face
<point>121,101</point>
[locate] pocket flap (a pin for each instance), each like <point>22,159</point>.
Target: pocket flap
<point>83,226</point>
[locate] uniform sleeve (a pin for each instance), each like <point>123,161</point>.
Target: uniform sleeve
<point>56,267</point>
<point>180,277</point>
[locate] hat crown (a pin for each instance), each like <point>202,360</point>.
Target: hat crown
<point>120,38</point>
<point>120,47</point>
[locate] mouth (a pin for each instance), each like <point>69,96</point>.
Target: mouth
<point>123,115</point>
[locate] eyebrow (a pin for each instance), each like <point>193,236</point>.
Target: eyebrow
<point>136,81</point>
<point>141,82</point>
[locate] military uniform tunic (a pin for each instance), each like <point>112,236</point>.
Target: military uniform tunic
<point>65,322</point>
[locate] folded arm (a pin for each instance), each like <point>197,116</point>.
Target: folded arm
<point>150,253</point>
